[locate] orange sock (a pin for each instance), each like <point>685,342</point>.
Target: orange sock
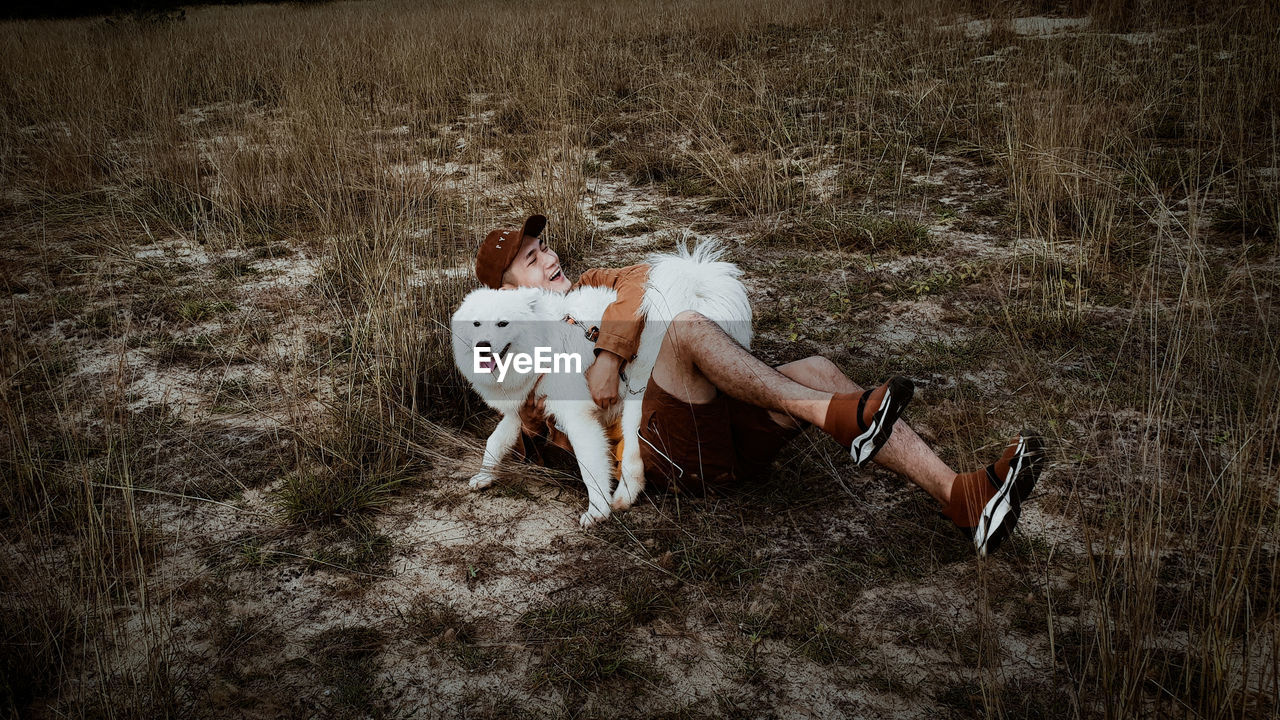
<point>970,491</point>
<point>969,494</point>
<point>841,421</point>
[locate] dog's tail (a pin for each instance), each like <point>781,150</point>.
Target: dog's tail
<point>698,280</point>
<point>706,251</point>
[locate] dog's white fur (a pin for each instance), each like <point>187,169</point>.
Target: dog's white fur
<point>527,318</point>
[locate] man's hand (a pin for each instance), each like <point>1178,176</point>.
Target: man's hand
<point>602,379</point>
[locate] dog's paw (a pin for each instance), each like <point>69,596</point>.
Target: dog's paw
<point>623,498</point>
<point>626,494</point>
<point>592,517</point>
<point>481,480</point>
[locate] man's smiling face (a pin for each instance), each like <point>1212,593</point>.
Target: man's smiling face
<point>537,266</point>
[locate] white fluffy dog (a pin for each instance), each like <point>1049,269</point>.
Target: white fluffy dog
<point>500,326</point>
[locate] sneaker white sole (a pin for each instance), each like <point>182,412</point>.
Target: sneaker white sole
<point>865,446</point>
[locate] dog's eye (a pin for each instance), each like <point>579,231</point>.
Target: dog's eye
<point>502,324</point>
<point>477,323</point>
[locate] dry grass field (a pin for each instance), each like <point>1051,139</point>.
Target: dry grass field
<point>234,447</point>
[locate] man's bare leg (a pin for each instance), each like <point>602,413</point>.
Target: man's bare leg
<point>697,357</point>
<point>905,453</point>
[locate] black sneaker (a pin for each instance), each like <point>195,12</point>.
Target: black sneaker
<point>877,428</point>
<point>1013,476</point>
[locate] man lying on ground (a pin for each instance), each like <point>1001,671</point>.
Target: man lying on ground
<point>714,415</point>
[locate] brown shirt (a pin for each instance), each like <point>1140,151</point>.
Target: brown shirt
<point>620,330</point>
<point>620,327</point>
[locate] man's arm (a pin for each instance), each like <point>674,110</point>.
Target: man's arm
<point>620,328</point>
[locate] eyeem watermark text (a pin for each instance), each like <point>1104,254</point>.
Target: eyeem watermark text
<point>542,361</point>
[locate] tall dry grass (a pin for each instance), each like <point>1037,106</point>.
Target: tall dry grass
<point>1125,160</point>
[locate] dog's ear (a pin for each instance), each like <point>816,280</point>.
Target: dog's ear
<point>528,298</point>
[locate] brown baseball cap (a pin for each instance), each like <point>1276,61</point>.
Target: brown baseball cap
<point>500,247</point>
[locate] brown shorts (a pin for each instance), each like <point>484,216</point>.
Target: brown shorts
<point>705,448</point>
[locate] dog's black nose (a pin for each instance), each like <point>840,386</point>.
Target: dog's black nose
<point>483,343</point>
